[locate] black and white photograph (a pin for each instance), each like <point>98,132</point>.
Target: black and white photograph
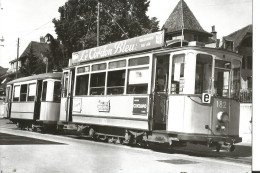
<point>128,86</point>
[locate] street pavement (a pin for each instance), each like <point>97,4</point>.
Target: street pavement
<point>26,151</point>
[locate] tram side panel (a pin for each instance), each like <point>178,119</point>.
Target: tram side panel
<point>22,110</point>
<point>50,104</point>
<point>188,115</point>
<point>130,112</point>
<point>234,117</point>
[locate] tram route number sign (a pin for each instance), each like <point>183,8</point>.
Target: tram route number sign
<point>206,98</point>
<point>140,105</point>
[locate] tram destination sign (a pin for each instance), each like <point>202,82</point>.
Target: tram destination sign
<point>136,44</point>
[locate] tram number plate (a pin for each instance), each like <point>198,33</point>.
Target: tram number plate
<point>221,104</point>
<point>206,98</point>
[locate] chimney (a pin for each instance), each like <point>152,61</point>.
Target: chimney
<point>214,37</point>
<point>42,40</point>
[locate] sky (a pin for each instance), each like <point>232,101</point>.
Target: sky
<point>28,20</point>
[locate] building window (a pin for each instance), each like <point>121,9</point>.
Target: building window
<point>249,62</point>
<point>244,62</point>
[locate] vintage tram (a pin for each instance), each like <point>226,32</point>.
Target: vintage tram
<point>34,101</point>
<point>142,90</point>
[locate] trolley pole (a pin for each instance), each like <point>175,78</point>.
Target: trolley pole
<point>98,25</point>
<point>17,57</point>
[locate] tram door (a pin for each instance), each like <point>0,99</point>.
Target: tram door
<point>8,101</point>
<point>161,73</point>
<point>66,99</point>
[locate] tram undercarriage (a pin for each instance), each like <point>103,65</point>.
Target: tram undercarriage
<point>152,138</point>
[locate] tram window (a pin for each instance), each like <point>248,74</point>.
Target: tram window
<point>116,82</point>
<point>82,85</point>
<point>83,69</point>
<point>117,64</point>
<point>16,93</point>
<point>221,82</point>
<point>98,67</point>
<point>65,85</point>
<point>44,91</point>
<point>177,77</point>
<point>138,81</point>
<point>31,92</point>
<point>203,74</point>
<point>57,91</point>
<point>139,61</point>
<point>222,64</point>
<point>23,93</point>
<point>97,83</point>
<point>235,83</point>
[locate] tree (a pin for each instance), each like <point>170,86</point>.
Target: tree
<point>119,20</point>
<point>55,54</point>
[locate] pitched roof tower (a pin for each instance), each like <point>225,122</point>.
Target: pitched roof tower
<point>182,16</point>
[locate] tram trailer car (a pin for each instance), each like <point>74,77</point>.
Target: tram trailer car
<point>165,95</point>
<point>34,101</point>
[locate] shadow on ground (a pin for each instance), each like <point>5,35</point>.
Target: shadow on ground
<point>8,139</point>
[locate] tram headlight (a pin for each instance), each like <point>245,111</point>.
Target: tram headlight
<point>223,117</point>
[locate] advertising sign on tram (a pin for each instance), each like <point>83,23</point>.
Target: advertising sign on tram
<point>144,42</point>
<point>140,105</point>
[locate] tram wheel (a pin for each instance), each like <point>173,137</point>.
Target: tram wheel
<point>218,147</point>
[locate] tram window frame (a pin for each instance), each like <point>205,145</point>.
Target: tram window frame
<point>235,79</point>
<point>23,92</point>
<point>99,88</point>
<point>31,96</point>
<point>57,91</point>
<point>145,60</point>
<point>65,84</point>
<point>137,87</point>
<point>117,64</point>
<point>99,67</point>
<point>78,84</point>
<point>16,93</point>
<point>203,73</point>
<point>116,83</point>
<point>44,91</point>
<point>222,66</point>
<point>178,83</point>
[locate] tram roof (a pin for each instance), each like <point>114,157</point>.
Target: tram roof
<point>38,77</point>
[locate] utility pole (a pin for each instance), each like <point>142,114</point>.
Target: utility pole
<point>18,45</point>
<point>98,25</point>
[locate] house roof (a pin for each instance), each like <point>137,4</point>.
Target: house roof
<point>3,71</point>
<point>182,16</point>
<point>238,36</point>
<point>36,48</point>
